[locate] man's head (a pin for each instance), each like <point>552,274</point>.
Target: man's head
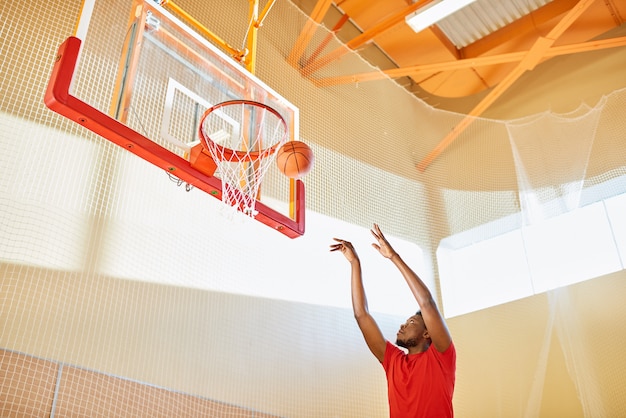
<point>412,332</point>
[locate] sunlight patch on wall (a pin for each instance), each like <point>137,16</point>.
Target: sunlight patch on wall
<point>576,246</point>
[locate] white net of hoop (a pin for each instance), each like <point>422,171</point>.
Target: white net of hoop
<point>242,137</point>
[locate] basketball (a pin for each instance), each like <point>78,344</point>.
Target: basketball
<point>295,159</point>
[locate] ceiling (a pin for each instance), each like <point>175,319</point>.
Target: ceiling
<point>479,51</point>
<point>497,39</point>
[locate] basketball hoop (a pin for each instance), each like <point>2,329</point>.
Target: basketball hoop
<point>242,137</point>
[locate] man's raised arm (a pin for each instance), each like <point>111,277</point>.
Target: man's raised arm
<point>368,326</point>
<point>435,324</point>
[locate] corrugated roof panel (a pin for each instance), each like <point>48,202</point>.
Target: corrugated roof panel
<point>484,17</point>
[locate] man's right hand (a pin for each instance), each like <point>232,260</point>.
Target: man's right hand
<point>346,249</point>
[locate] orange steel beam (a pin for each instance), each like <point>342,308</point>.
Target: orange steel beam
<point>256,21</point>
<point>586,46</point>
<point>235,53</point>
<point>533,57</point>
<point>468,63</point>
<point>614,11</point>
<point>365,37</point>
<point>264,13</point>
<point>423,68</point>
<point>319,11</point>
<point>249,58</point>
<point>342,21</point>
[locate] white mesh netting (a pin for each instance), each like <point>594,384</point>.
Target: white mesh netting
<point>123,295</point>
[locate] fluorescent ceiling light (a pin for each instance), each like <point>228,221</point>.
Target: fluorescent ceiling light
<point>434,12</point>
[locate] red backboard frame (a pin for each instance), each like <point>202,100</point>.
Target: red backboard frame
<point>59,100</point>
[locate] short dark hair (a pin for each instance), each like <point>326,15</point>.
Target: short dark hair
<point>419,313</point>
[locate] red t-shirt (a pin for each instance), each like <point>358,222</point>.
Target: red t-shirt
<point>420,385</point>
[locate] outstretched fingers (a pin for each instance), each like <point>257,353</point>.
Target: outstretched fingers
<point>382,245</point>
<point>346,249</point>
<point>341,245</point>
<point>336,246</point>
<point>376,232</point>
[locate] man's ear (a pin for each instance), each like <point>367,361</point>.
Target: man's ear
<point>425,334</point>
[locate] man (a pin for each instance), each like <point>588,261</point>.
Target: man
<point>420,382</point>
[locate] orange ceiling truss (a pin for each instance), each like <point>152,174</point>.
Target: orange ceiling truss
<point>542,49</point>
<point>536,53</point>
<point>318,51</point>
<point>417,70</point>
<point>360,40</point>
<point>299,47</point>
<point>246,56</point>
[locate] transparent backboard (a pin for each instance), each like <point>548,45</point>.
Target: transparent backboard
<point>141,77</point>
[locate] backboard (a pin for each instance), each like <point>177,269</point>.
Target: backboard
<point>142,78</point>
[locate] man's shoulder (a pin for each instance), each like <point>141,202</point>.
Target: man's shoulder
<point>446,358</point>
<point>392,351</point>
<point>451,350</point>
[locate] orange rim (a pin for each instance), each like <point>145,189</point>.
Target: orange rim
<point>241,155</point>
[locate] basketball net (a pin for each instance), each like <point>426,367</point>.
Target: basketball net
<point>242,137</point>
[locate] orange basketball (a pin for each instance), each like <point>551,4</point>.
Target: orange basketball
<point>295,159</point>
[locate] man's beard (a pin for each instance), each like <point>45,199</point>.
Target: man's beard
<point>406,343</point>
